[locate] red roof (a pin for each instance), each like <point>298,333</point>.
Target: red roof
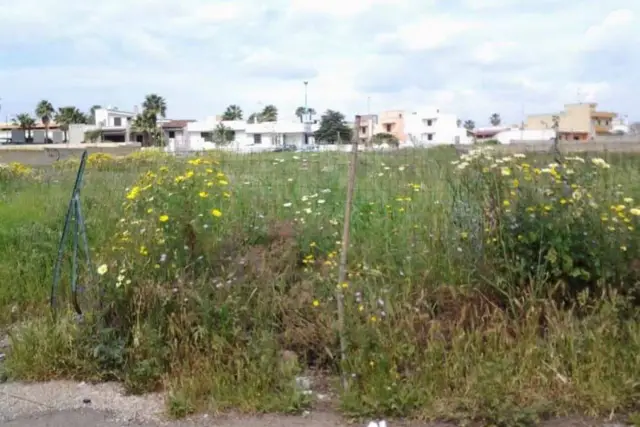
<point>178,124</point>
<point>487,133</point>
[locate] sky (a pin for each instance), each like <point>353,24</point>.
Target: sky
<point>467,57</point>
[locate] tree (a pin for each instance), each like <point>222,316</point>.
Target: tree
<point>91,117</point>
<point>253,118</point>
<point>268,114</point>
<point>222,135</point>
<point>385,138</point>
<point>66,116</point>
<point>469,125</point>
<point>495,119</point>
<point>333,128</point>
<point>233,112</point>
<point>146,124</point>
<point>45,111</point>
<point>301,112</point>
<point>155,106</point>
<point>26,123</point>
<point>634,128</point>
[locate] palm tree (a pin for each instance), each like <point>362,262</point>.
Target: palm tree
<point>146,124</point>
<point>495,119</point>
<point>45,110</point>
<point>155,105</point>
<point>66,116</point>
<point>469,125</point>
<point>233,112</point>
<point>269,114</point>
<point>92,114</point>
<point>253,118</point>
<point>302,111</point>
<point>26,123</point>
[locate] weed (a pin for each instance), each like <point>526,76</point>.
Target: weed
<point>220,273</point>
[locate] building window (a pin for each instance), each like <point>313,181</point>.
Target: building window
<point>257,138</point>
<point>117,121</point>
<point>207,136</point>
<point>429,122</point>
<point>430,137</point>
<point>388,127</point>
<point>363,129</point>
<point>172,134</point>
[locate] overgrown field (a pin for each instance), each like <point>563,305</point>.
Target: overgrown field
<point>485,287</point>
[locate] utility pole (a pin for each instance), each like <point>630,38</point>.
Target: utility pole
<point>307,119</point>
<point>306,106</point>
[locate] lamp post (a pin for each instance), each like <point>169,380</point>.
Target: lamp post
<point>306,107</point>
<point>307,120</point>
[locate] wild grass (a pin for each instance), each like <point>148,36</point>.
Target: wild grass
<point>458,304</point>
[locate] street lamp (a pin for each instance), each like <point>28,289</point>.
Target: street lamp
<point>307,118</point>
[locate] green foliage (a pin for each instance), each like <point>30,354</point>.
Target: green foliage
<point>333,129</point>
<point>45,111</point>
<point>561,226</point>
<point>92,136</point>
<point>26,123</point>
<point>268,114</point>
<point>469,125</point>
<point>216,266</point>
<point>223,135</point>
<point>495,119</point>
<point>301,112</point>
<point>233,112</point>
<point>385,138</point>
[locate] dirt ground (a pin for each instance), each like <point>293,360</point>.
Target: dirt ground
<point>70,404</point>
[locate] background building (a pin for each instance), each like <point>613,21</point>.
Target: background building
<point>577,122</point>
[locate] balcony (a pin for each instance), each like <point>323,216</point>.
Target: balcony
<point>600,129</point>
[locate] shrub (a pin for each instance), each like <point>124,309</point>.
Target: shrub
<point>14,171</point>
<point>562,225</point>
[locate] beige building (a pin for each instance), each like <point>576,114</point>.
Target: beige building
<point>577,122</point>
<point>392,122</point>
<point>368,123</point>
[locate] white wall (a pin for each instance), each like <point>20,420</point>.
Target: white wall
<point>434,128</point>
<point>106,118</point>
<point>524,135</point>
<point>271,134</point>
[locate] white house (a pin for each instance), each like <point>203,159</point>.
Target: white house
<point>516,135</point>
<point>113,118</point>
<point>249,136</point>
<point>115,126</point>
<point>431,127</point>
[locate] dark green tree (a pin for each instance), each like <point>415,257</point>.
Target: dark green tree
<point>233,112</point>
<point>333,129</point>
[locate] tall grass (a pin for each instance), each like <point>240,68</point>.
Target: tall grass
<point>214,268</point>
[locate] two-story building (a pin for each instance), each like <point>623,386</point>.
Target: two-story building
<point>577,122</point>
<point>392,122</point>
<point>430,126</point>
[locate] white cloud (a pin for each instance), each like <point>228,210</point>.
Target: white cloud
<point>339,8</point>
<point>471,57</point>
<point>428,32</point>
<point>619,26</point>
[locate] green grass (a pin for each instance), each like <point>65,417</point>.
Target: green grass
<point>438,323</point>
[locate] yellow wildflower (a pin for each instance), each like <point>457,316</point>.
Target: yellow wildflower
<point>217,213</point>
<point>163,218</point>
